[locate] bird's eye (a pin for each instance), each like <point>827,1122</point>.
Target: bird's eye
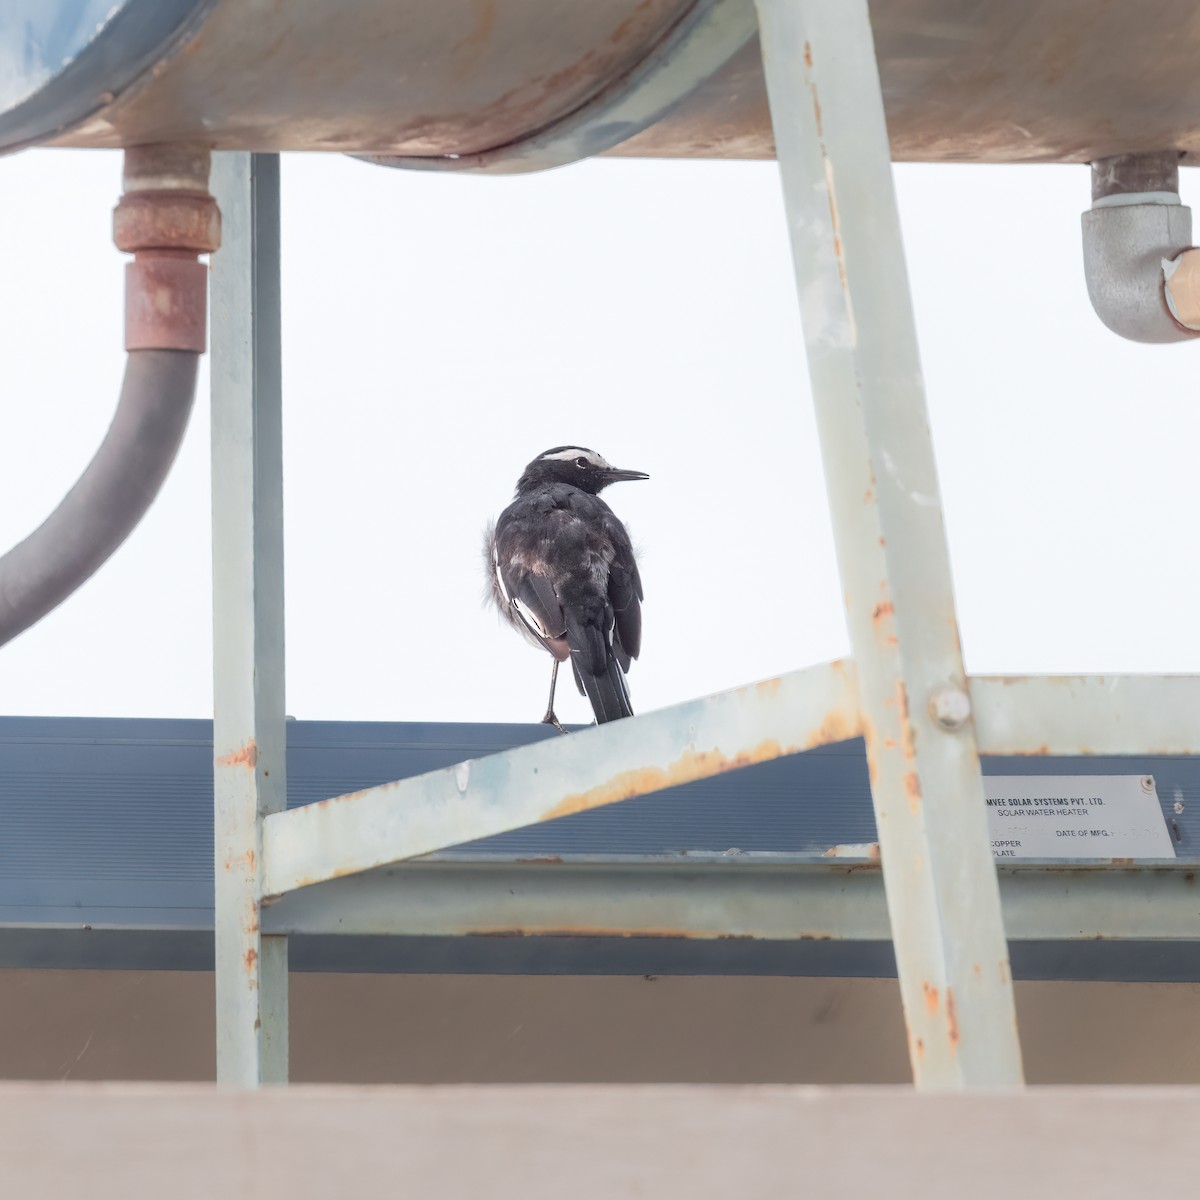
<point>581,462</point>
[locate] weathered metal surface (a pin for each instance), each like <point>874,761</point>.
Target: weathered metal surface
<point>1023,81</point>
<point>1125,174</point>
<point>249,739</point>
<point>707,35</point>
<point>587,769</point>
<point>165,303</point>
<point>759,896</point>
<point>892,556</point>
<point>671,898</point>
<point>1097,714</point>
<point>460,77</point>
<point>166,218</point>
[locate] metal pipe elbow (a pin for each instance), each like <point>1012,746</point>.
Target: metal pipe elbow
<point>110,497</point>
<point>1132,234</point>
<point>167,219</point>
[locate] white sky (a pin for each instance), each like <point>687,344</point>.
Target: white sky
<point>439,332</point>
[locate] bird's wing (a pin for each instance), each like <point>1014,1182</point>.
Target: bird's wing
<point>624,593</point>
<point>524,595</point>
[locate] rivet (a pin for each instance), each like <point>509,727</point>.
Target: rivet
<point>950,707</point>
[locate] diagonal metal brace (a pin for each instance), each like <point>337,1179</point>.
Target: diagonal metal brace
<point>594,767</point>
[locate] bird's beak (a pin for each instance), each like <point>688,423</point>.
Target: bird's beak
<point>616,475</point>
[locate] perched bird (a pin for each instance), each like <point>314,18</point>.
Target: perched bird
<point>563,573</point>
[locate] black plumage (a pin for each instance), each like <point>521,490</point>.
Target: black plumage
<point>563,573</point>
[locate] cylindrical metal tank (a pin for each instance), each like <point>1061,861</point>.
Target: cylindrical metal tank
<point>964,81</point>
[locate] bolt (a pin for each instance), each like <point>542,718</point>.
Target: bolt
<point>950,707</point>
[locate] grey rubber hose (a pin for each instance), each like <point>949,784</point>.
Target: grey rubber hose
<point>112,494</point>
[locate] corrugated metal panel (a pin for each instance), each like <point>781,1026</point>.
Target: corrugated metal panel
<point>109,823</point>
<point>126,800</point>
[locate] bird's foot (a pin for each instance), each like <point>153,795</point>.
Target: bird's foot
<point>551,719</point>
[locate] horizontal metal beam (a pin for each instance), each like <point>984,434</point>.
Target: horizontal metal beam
<point>759,897</point>
<point>585,770</point>
<point>1071,715</point>
<point>1040,715</point>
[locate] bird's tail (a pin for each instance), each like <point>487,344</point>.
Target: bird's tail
<point>607,691</point>
<point>597,671</point>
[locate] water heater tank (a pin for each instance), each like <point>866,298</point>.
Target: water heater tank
<point>458,83</point>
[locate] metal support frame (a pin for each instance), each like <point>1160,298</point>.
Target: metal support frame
<point>831,135</point>
<point>923,721</point>
<point>249,739</point>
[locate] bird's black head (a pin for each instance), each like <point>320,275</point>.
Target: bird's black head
<point>576,465</point>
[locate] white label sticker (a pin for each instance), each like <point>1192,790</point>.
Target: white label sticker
<point>1076,816</point>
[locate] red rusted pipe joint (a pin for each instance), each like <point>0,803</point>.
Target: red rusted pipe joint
<point>166,219</point>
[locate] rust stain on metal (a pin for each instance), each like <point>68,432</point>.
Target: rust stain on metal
<point>607,931</point>
<point>544,860</point>
<point>868,850</point>
<point>246,860</point>
<point>167,220</point>
<point>165,286</point>
<point>250,958</point>
<point>808,55</point>
<point>952,1020</point>
<point>835,728</point>
<point>920,1046</point>
<point>474,44</point>
<point>885,608</point>
<point>912,788</point>
<point>691,764</point>
<point>932,996</point>
<point>908,736</point>
<point>247,756</point>
<point>537,102</point>
<point>1005,972</point>
<point>338,872</point>
<point>630,24</point>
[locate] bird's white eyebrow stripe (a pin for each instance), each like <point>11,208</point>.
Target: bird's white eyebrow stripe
<point>574,452</point>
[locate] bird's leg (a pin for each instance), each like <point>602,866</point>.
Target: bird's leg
<point>550,718</point>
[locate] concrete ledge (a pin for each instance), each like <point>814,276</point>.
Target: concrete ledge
<point>127,1140</point>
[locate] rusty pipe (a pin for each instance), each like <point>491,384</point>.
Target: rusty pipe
<point>167,218</point>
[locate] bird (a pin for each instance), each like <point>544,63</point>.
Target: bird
<point>562,572</point>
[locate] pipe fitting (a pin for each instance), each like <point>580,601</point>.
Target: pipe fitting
<point>166,219</point>
<point>1135,227</point>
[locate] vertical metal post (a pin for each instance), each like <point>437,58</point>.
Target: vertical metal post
<point>943,899</point>
<point>248,644</point>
